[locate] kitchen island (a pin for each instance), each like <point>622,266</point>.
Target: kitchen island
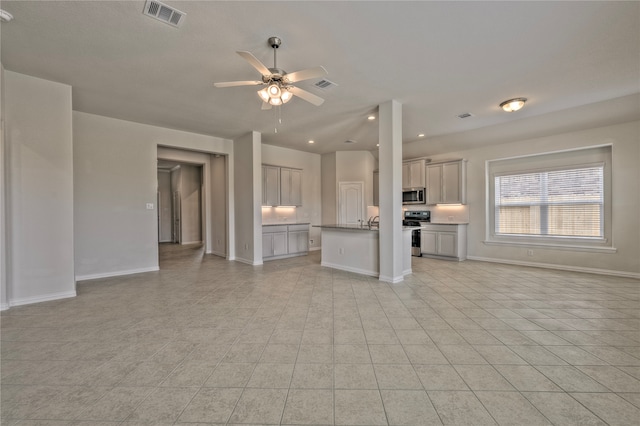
<point>356,248</point>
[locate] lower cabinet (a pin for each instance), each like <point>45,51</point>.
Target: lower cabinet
<point>274,241</point>
<point>444,240</point>
<point>284,241</point>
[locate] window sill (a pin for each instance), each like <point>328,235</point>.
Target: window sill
<point>569,247</point>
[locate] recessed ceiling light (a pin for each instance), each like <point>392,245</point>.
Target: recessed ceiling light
<point>513,105</point>
<point>421,135</point>
<point>377,144</point>
<point>312,141</point>
<point>5,16</point>
<point>371,117</point>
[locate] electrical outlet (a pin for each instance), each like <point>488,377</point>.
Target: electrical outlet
<point>311,242</point>
<point>529,252</point>
<point>149,206</point>
<point>246,246</point>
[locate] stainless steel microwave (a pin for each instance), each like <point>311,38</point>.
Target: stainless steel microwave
<point>413,196</point>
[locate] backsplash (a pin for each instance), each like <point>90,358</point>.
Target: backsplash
<point>271,215</point>
<point>454,213</point>
<point>450,213</point>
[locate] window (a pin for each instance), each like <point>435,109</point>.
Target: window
<point>562,203</point>
<point>553,199</point>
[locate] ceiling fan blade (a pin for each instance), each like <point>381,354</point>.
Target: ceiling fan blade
<point>307,96</point>
<point>238,83</point>
<point>255,62</point>
<point>265,106</point>
<point>306,74</point>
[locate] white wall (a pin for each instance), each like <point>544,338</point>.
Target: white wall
<point>115,165</point>
<point>248,198</point>
<point>164,207</point>
<point>39,189</point>
<point>220,198</point>
<point>190,191</point>
<point>311,209</point>
<point>329,189</point>
<point>4,302</point>
<point>625,139</point>
<point>357,166</point>
<point>345,166</point>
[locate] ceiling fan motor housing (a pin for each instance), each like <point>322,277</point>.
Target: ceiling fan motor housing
<point>275,42</point>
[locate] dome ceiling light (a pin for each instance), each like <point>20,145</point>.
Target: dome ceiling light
<point>513,105</point>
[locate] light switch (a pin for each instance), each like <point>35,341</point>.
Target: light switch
<point>149,206</point>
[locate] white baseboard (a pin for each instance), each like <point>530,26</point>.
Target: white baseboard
<point>350,269</point>
<point>559,267</point>
<point>116,273</point>
<point>4,306</point>
<point>247,261</point>
<point>43,298</point>
<point>391,280</point>
<point>184,243</point>
<point>315,248</point>
<point>218,253</point>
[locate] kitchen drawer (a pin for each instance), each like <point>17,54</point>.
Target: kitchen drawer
<point>440,227</point>
<point>298,228</point>
<point>271,229</point>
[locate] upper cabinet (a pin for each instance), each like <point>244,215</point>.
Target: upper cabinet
<point>290,187</point>
<point>281,186</point>
<point>446,183</point>
<point>413,174</point>
<point>270,186</point>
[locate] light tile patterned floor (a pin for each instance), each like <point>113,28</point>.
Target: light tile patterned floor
<point>209,341</point>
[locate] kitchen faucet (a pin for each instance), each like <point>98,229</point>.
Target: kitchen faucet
<point>372,221</point>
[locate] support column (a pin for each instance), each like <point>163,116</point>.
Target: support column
<point>390,168</point>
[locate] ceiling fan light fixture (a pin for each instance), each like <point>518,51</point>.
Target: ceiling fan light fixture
<point>274,90</point>
<point>286,96</point>
<point>513,105</point>
<point>264,95</point>
<point>275,94</point>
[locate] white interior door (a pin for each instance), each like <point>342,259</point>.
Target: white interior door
<point>351,203</point>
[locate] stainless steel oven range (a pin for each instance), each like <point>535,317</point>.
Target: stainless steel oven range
<point>416,218</point>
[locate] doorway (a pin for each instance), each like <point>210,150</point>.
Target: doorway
<point>180,203</point>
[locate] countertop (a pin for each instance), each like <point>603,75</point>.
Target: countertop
<point>359,227</point>
<point>447,223</point>
<point>286,223</point>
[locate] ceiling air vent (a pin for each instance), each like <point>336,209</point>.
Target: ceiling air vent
<point>465,115</point>
<point>164,13</point>
<point>325,84</point>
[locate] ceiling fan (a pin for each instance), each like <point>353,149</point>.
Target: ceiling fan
<point>279,84</point>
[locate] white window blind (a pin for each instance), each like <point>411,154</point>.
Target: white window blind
<point>562,203</point>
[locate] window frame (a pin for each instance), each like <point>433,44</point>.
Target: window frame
<point>551,161</point>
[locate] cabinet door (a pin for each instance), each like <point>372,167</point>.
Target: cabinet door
<point>295,195</point>
<point>416,172</point>
<point>270,186</point>
<point>285,187</point>
<point>279,243</point>
<point>428,242</point>
<point>451,182</point>
<point>447,244</point>
<point>298,242</point>
<point>267,245</point>
<point>434,184</point>
<point>406,175</point>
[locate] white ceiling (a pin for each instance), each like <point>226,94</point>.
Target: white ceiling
<point>439,59</point>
